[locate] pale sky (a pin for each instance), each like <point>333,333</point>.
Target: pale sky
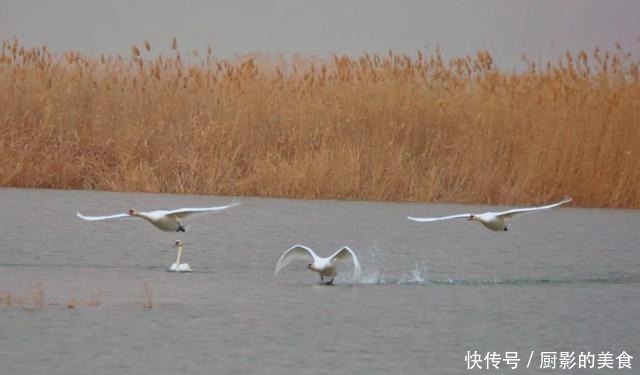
<point>507,28</point>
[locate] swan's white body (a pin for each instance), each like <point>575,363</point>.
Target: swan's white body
<point>177,266</point>
<point>323,266</point>
<point>184,267</point>
<point>166,220</point>
<point>496,221</point>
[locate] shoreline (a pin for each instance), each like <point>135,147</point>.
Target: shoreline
<point>494,204</point>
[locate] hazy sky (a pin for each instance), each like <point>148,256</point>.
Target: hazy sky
<point>507,28</point>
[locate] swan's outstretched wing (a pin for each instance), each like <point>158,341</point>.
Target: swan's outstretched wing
<point>93,218</point>
<point>428,219</point>
<point>181,213</point>
<point>294,253</point>
<point>509,213</point>
<point>346,253</point>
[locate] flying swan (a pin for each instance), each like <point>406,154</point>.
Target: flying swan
<point>492,220</point>
<point>324,266</point>
<point>167,220</point>
<point>177,266</point>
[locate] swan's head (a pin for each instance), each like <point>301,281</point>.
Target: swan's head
<point>472,217</point>
<point>132,212</point>
<point>312,267</point>
<point>177,243</point>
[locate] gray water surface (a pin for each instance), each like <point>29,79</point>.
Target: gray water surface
<point>566,279</point>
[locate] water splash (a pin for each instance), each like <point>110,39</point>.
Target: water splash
<point>417,275</point>
<point>375,268</point>
<point>375,273</point>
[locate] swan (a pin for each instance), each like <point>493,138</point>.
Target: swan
<point>177,266</point>
<point>324,266</point>
<point>495,221</point>
<point>166,220</point>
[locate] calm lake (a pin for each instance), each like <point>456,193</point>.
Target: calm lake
<point>81,297</point>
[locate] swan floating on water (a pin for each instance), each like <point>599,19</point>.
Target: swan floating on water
<point>495,221</point>
<point>177,266</point>
<point>324,266</point>
<point>166,220</point>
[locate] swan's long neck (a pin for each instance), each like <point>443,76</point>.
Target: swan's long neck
<point>143,216</point>
<point>321,264</point>
<point>179,255</point>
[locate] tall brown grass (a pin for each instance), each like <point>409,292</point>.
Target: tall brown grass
<point>374,127</point>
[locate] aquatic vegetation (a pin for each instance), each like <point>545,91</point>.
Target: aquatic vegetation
<point>374,127</point>
<point>35,299</point>
<point>38,295</point>
<point>147,296</point>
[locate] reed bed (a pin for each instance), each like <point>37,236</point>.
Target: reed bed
<point>371,127</point>
<point>35,299</point>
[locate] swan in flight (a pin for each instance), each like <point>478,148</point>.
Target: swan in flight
<point>492,220</point>
<point>177,266</point>
<point>324,266</point>
<point>167,220</point>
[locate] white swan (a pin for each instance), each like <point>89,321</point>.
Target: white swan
<point>167,220</point>
<point>324,266</point>
<point>177,266</point>
<point>492,220</point>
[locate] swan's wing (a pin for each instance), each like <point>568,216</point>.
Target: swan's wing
<point>510,213</point>
<point>294,253</point>
<point>346,253</point>
<point>428,219</point>
<point>181,213</point>
<point>93,218</point>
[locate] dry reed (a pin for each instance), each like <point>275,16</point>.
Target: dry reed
<point>148,296</point>
<point>373,127</point>
<point>35,300</point>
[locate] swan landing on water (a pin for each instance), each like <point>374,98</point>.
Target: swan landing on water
<point>177,266</point>
<point>166,220</point>
<point>496,221</point>
<point>323,266</point>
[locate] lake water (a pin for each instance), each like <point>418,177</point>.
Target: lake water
<point>564,280</point>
